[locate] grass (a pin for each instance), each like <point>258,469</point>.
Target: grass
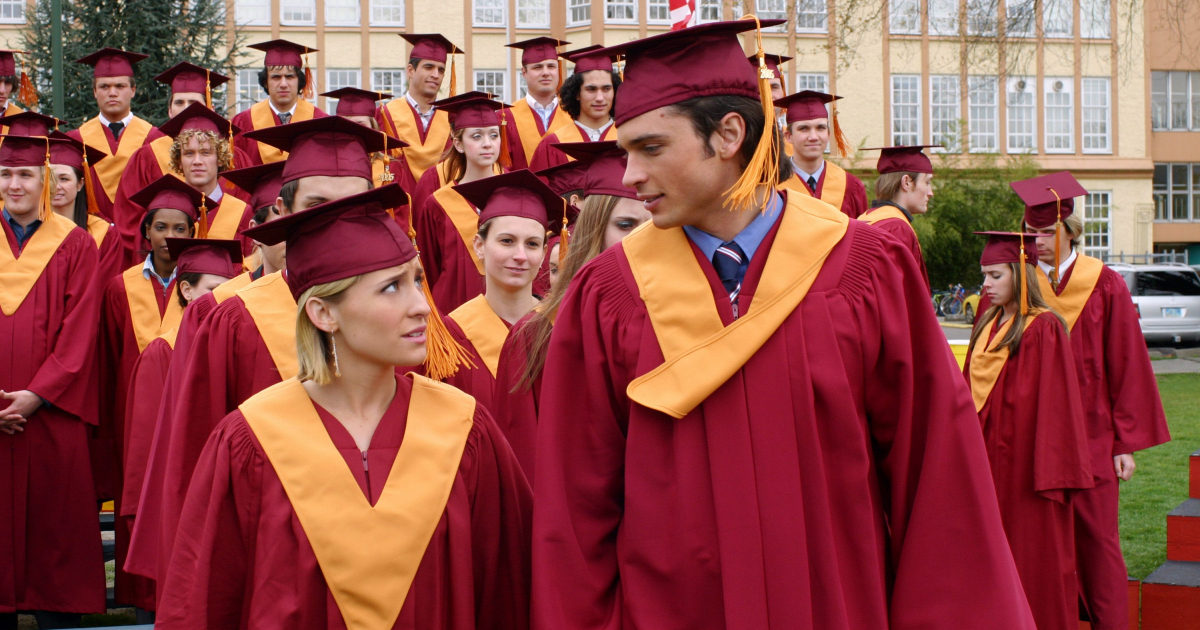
<point>1161,480</point>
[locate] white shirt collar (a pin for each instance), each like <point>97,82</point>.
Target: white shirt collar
<point>148,272</point>
<point>1062,269</point>
<point>426,117</point>
<point>126,120</point>
<point>217,194</point>
<point>594,134</point>
<point>804,176</point>
<point>277,112</point>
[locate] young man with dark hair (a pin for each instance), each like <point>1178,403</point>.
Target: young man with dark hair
<point>904,188</point>
<point>750,418</point>
<point>285,78</point>
<point>588,97</point>
<point>529,119</point>
<point>414,118</point>
<point>808,132</point>
<point>10,82</point>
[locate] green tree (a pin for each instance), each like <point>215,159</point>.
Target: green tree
<point>170,31</point>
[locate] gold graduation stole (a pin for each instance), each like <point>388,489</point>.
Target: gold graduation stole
<point>368,555</point>
<point>464,217</point>
<point>700,352</point>
<point>404,125</point>
<point>833,189</point>
<point>18,275</point>
<point>161,147</point>
<point>888,212</point>
<point>572,133</point>
<point>273,309</point>
<point>228,217</point>
<point>527,126</point>
<point>986,366</point>
<point>109,170</point>
<point>143,308</point>
<point>230,287</point>
<point>484,328</point>
<point>1075,293</point>
<point>170,337</point>
<point>98,228</point>
<point>263,117</point>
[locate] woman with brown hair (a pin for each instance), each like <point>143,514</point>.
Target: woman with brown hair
<point>1022,376</point>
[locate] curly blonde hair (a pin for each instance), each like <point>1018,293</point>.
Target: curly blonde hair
<point>224,150</point>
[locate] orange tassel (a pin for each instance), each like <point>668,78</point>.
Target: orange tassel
<point>564,237</point>
<point>308,80</point>
<point>453,75</point>
<point>621,66</point>
<point>1023,289</point>
<point>26,93</point>
<point>88,186</point>
<point>843,147</point>
<point>505,155</point>
<point>443,355</point>
<point>202,225</point>
<point>1057,239</point>
<point>207,90</point>
<point>47,208</point>
<point>762,171</point>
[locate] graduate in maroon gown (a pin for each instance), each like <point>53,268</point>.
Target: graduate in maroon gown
<point>353,495</point>
<point>749,415</point>
<point>358,106</point>
<point>904,188</point>
<point>587,96</point>
<point>529,119</point>
<point>49,311</point>
<point>808,132</point>
<point>1033,425</point>
<point>510,244</point>
<point>286,77</point>
<point>246,344</point>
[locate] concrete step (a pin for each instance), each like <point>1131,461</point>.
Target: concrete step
<point>1171,597</point>
<point>1183,532</point>
<point>1194,475</point>
<point>110,549</point>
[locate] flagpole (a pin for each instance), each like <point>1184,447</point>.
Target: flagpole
<point>56,55</point>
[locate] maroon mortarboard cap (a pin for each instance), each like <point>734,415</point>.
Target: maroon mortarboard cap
<point>1041,204</point>
<point>68,151</point>
<point>340,239</point>
<point>516,194</point>
<point>331,146</point>
<point>188,77</point>
<point>169,192</point>
<point>806,105</point>
<point>587,59</point>
<point>432,46</point>
<point>1005,247</point>
<point>676,66</point>
<point>903,159</point>
<point>353,101</point>
<point>281,52</point>
<point>218,257</point>
<point>29,123</point>
<point>197,116</point>
<point>773,62</point>
<point>538,49</point>
<point>473,109</point>
<point>112,62</point>
<point>8,62</point>
<point>24,150</point>
<point>262,182</point>
<point>605,167</point>
<point>566,177</point>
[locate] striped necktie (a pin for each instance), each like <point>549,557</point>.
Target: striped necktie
<point>730,263</point>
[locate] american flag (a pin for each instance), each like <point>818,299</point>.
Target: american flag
<point>683,14</point>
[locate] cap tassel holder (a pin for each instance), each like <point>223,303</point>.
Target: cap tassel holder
<point>26,93</point>
<point>761,171</point>
<point>1057,239</point>
<point>443,355</point>
<point>453,73</point>
<point>89,186</point>
<point>505,155</point>
<point>1023,290</point>
<point>47,208</point>
<point>202,225</point>
<point>843,147</point>
<point>308,80</point>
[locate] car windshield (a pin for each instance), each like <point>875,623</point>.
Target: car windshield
<point>1182,282</point>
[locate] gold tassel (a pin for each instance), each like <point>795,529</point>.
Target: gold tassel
<point>47,208</point>
<point>1057,239</point>
<point>621,66</point>
<point>202,225</point>
<point>308,80</point>
<point>762,171</point>
<point>88,186</point>
<point>843,147</point>
<point>1023,289</point>
<point>443,355</point>
<point>207,89</point>
<point>505,157</point>
<point>564,239</point>
<point>453,74</point>
<point>27,94</point>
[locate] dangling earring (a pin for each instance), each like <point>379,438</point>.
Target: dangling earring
<point>337,370</point>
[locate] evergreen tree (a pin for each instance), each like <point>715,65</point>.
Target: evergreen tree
<point>170,31</point>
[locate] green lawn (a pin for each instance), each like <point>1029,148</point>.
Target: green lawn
<point>1161,480</point>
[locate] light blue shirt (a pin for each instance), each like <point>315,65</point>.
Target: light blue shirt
<point>545,113</point>
<point>748,239</point>
<point>804,176</point>
<point>148,272</point>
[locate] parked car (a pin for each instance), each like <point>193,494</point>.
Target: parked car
<point>1167,297</point>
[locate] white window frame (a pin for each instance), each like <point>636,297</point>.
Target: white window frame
<point>576,8</point>
<point>338,78</point>
<point>710,11</point>
<point>1054,89</point>
<point>1175,100</point>
<point>815,81</point>
<point>290,12</point>
<point>943,17</point>
<point>396,83</point>
<point>351,10</point>
<point>1057,19</point>
<point>495,82</point>
<point>1096,102</point>
<point>1013,93</point>
<point>911,134</point>
<point>983,101</point>
<point>523,87</point>
<point>1020,18</point>
<point>982,18</point>
<point>904,17</point>
<point>1160,100</point>
<point>661,6</point>
<point>945,113</point>
<point>387,7</point>
<point>489,12</point>
<point>13,11</point>
<point>620,11</point>
<point>534,13</point>
<point>1095,18</point>
<point>812,16</point>
<point>770,10</point>
<point>252,12</point>
<point>1097,224</point>
<point>249,91</point>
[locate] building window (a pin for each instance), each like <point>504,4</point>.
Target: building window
<point>904,17</point>
<point>1094,19</point>
<point>579,12</point>
<point>981,17</point>
<point>490,12</point>
<point>1175,100</point>
<point>338,78</point>
<point>492,82</point>
<point>523,86</point>
<point>944,112</point>
<point>771,9</point>
<point>248,90</point>
<point>1176,188</point>
<point>943,17</point>
<point>256,12</point>
<point>815,81</point>
<point>811,16</point>
<point>1056,18</point>
<point>13,11</point>
<point>906,110</point>
<point>341,12</point>
<point>1096,115</point>
<point>387,12</point>
<point>533,13</point>
<point>983,97</point>
<point>1060,116</point>
<point>299,12</point>
<point>658,11</point>
<point>620,11</point>
<point>1097,224</point>
<point>1021,103</point>
<point>389,80</point>
<point>710,11</point>
<point>1021,16</point>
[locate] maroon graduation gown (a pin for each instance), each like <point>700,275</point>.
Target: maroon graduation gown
<point>243,560</point>
<point>50,556</point>
<point>451,273</point>
<point>902,231</point>
<point>514,406</point>
<point>244,120</point>
<point>476,381</point>
<point>1034,431</point>
<point>837,481</point>
<point>111,257</point>
<point>104,205</point>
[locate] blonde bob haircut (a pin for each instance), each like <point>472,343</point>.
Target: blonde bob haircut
<point>314,347</point>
